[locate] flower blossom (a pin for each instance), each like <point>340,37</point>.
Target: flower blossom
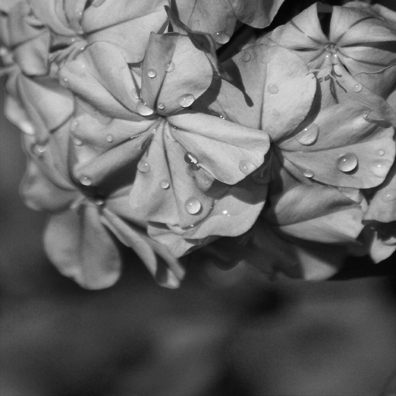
<point>106,97</point>
<point>358,61</point>
<point>138,135</point>
<point>79,237</point>
<point>30,89</point>
<point>336,142</point>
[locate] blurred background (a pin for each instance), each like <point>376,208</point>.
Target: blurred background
<point>223,333</point>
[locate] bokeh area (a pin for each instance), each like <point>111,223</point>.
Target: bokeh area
<point>223,333</point>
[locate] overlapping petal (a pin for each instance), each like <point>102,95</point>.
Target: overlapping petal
<point>312,211</point>
<point>46,104</point>
<point>28,38</point>
<point>218,18</point>
<point>174,73</point>
<point>101,77</point>
<point>81,236</point>
<point>185,156</point>
<point>138,135</point>
<point>382,207</point>
<point>341,148</point>
<point>124,24</point>
<point>360,38</point>
<point>36,102</point>
<point>232,215</point>
<point>82,249</point>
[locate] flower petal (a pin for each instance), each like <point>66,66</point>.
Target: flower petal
<point>268,80</point>
<point>257,13</point>
<point>302,32</point>
<point>165,268</point>
<point>342,134</point>
<point>101,77</point>
<point>124,24</point>
<point>287,86</point>
<point>339,227</point>
<point>353,26</point>
<point>45,103</point>
<point>175,73</point>
<point>51,157</point>
<point>226,150</point>
<point>39,193</point>
<point>52,14</point>
<point>382,208</point>
<point>82,248</point>
<point>16,114</point>
<point>311,211</point>
<point>166,178</point>
<point>241,101</point>
<point>103,147</point>
<point>214,17</point>
<point>233,214</point>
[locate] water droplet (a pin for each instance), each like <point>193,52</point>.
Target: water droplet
<point>347,162</point>
<point>85,181</point>
<point>99,201</point>
<point>77,142</point>
<point>82,49</point>
<point>64,82</point>
<point>110,138</point>
<point>135,94</point>
<point>144,166</point>
<point>169,67</point>
<point>38,149</point>
<point>221,37</point>
<point>161,106</point>
<point>152,73</point>
<point>164,184</point>
<point>389,196</point>
<point>225,213</point>
<point>74,126</point>
<point>273,89</point>
<point>334,59</point>
<point>308,173</point>
<point>193,206</point>
<point>246,56</point>
<point>191,159</point>
<point>381,152</point>
<point>144,110</point>
<point>308,135</point>
<point>186,100</point>
<point>380,168</point>
<point>357,87</point>
<point>97,3</point>
<point>246,167</point>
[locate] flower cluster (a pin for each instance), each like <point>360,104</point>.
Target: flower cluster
<point>136,134</point>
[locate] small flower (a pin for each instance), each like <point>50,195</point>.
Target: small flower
<point>78,237</point>
<point>359,43</point>
<point>322,153</point>
<point>35,102</point>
